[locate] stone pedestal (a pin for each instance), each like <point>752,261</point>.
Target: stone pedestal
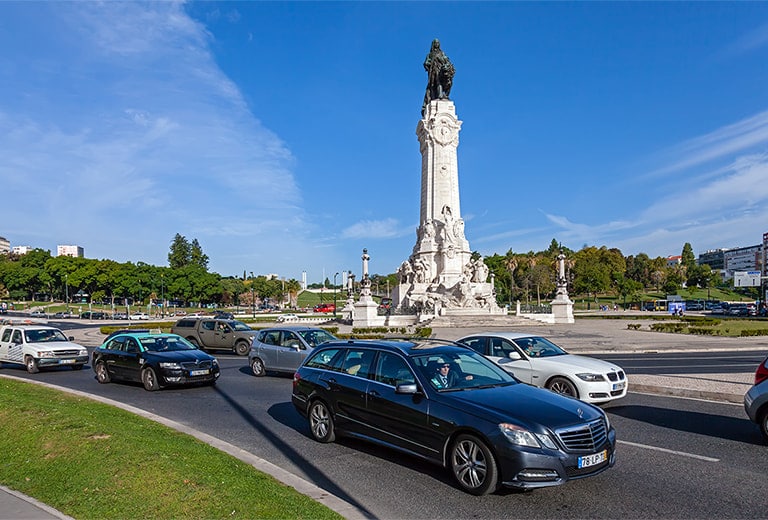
<point>366,314</point>
<point>562,309</point>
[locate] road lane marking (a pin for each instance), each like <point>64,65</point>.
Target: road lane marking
<point>664,450</point>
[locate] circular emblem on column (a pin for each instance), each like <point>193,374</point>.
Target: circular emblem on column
<point>444,132</point>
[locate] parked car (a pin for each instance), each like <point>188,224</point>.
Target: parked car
<point>756,399</point>
<point>489,430</point>
<point>120,316</point>
<point>62,315</point>
<point>93,315</point>
<point>282,349</point>
<point>139,316</point>
<point>738,309</point>
<point>221,315</point>
<point>155,360</point>
<point>325,307</point>
<point>38,314</point>
<point>287,317</point>
<point>537,361</point>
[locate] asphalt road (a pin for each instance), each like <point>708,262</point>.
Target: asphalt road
<point>709,362</point>
<point>677,458</point>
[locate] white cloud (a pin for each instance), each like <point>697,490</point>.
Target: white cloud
<point>387,228</point>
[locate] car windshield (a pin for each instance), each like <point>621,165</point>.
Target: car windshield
<point>316,337</point>
<point>461,370</point>
<point>44,335</point>
<point>165,343</point>
<point>539,347</point>
<point>239,325</point>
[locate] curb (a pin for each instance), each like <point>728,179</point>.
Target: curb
<point>687,393</point>
<point>33,502</point>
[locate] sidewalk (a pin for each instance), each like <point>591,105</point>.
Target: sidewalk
<point>586,336</point>
<point>17,506</point>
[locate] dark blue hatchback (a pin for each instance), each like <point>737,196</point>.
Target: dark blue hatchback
<point>445,403</point>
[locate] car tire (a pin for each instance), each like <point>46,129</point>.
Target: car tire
<point>258,368</point>
<point>563,386</point>
<point>102,374</point>
<point>242,348</point>
<point>31,364</point>
<point>149,379</point>
<point>321,422</point>
<point>474,466</point>
<point>763,417</point>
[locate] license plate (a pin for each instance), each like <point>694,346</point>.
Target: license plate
<point>198,372</point>
<point>66,361</point>
<point>592,460</point>
<point>618,386</point>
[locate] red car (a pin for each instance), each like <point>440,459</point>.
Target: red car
<point>325,307</point>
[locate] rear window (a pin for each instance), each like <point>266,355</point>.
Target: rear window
<point>325,359</point>
<point>190,324</point>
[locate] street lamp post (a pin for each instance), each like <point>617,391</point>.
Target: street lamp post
<point>162,295</point>
<point>334,294</point>
<point>66,289</point>
<point>253,297</point>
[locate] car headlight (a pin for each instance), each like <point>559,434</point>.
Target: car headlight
<point>83,353</point>
<point>170,365</point>
<point>522,437</point>
<point>591,377</point>
<point>45,353</point>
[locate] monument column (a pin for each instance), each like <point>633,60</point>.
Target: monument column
<point>440,276</point>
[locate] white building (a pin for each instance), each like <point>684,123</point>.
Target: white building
<point>743,259</point>
<point>74,251</point>
<point>5,246</point>
<point>21,250</point>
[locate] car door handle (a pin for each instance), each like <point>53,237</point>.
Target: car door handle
<point>373,393</point>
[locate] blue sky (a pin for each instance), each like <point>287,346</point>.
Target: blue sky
<point>282,135</point>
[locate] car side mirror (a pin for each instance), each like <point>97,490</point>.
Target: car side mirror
<point>407,388</point>
<point>514,356</point>
<point>71,338</point>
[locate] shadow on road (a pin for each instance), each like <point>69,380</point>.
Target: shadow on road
<point>712,425</point>
<point>316,474</point>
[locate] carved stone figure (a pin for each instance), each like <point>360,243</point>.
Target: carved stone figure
<point>406,272</point>
<point>440,73</point>
<point>420,271</point>
<point>480,271</point>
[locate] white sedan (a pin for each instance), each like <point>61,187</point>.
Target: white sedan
<point>537,361</point>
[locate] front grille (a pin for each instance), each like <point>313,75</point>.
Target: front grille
<point>191,365</point>
<point>66,353</point>
<point>616,376</point>
<point>587,437</point>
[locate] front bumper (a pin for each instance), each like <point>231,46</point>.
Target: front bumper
<point>602,391</point>
<point>180,376</point>
<point>530,468</point>
<point>62,361</point>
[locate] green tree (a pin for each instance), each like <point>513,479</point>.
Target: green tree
<point>196,255</point>
<point>688,260</point>
<point>180,254</point>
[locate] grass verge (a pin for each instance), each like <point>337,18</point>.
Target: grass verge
<point>92,460</point>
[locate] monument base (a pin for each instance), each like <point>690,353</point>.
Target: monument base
<point>366,314</point>
<point>562,310</point>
